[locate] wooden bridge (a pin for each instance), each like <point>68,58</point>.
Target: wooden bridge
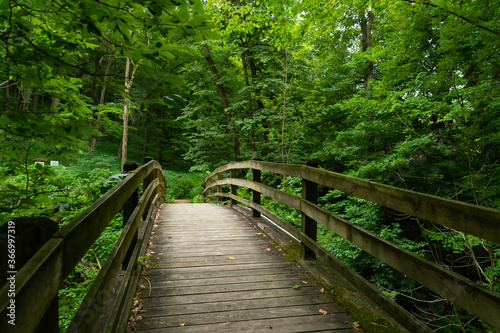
<point>216,268</point>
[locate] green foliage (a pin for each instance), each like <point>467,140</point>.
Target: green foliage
<point>181,185</point>
<point>59,192</point>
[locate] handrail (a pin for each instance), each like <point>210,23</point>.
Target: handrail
<point>476,220</point>
<point>471,219</point>
<point>39,280</point>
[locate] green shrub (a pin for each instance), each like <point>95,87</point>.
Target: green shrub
<point>182,185</point>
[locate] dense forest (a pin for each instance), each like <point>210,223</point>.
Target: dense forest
<point>401,92</point>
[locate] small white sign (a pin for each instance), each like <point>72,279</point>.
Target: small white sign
<point>54,163</point>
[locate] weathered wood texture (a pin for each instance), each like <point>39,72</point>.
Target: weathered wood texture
<point>472,219</point>
<point>212,271</point>
<point>480,221</point>
<point>39,280</point>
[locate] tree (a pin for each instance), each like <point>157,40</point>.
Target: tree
<point>129,81</point>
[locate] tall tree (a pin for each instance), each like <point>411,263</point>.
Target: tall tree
<point>129,81</point>
<point>225,102</point>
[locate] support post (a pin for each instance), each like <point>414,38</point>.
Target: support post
<point>219,187</point>
<point>210,190</point>
<point>234,188</point>
<point>30,234</point>
<point>309,226</point>
<point>128,209</point>
<point>256,195</point>
<point>145,183</point>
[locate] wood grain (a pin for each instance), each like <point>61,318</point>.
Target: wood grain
<point>212,271</point>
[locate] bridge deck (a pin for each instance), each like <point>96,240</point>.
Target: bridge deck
<point>212,271</point>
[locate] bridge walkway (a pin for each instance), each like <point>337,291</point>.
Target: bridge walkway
<point>212,271</point>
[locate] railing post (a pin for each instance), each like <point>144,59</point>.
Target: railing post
<point>234,189</point>
<point>309,226</point>
<point>255,194</point>
<point>30,234</point>
<point>211,189</point>
<point>147,180</point>
<point>128,209</point>
<point>219,187</point>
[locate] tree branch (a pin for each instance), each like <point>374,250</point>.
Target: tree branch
<point>428,3</point>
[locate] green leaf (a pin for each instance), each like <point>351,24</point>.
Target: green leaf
<point>296,286</point>
<point>4,5</point>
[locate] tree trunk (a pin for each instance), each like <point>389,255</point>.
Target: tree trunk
<point>260,105</point>
<point>366,43</point>
<point>284,90</point>
<point>35,101</point>
<point>24,104</point>
<point>249,98</point>
<point>126,104</point>
<point>223,97</point>
<point>53,103</point>
<point>7,95</point>
<point>125,132</point>
<point>101,101</point>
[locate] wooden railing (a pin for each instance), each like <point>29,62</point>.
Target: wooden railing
<point>471,219</point>
<point>38,282</point>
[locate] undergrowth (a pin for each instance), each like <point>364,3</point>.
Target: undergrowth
<point>182,185</point>
<point>63,192</point>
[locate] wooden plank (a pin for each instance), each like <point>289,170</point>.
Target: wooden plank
<point>240,304</point>
<point>229,258</point>
<point>159,290</point>
<point>180,281</point>
<point>36,285</point>
<point>459,290</point>
<point>84,229</point>
<point>183,300</point>
<point>200,284</point>
<point>215,269</point>
<point>397,312</point>
<point>473,219</point>
<point>463,292</point>
<point>189,251</point>
<point>311,323</point>
<point>116,318</point>
<point>249,316</point>
<point>85,317</point>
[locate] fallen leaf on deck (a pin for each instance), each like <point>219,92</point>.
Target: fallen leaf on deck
<point>323,312</point>
<point>181,324</point>
<point>231,258</point>
<point>304,281</point>
<point>268,249</point>
<point>322,290</point>
<point>296,286</point>
<point>357,327</point>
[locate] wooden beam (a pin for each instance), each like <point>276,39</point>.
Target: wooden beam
<point>308,225</point>
<point>461,291</point>
<point>472,219</point>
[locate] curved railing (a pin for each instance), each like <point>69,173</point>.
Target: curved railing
<point>471,219</point>
<point>39,280</point>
